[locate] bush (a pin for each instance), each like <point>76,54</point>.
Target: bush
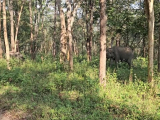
<point>46,89</point>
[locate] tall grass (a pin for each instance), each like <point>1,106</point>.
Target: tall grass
<point>46,90</point>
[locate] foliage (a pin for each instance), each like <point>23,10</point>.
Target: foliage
<point>46,90</point>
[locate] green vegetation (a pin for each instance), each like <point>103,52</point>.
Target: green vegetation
<point>46,90</point>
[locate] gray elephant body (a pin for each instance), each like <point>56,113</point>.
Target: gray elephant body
<point>120,54</point>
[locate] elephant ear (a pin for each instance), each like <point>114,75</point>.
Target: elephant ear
<point>115,52</point>
<point>111,52</point>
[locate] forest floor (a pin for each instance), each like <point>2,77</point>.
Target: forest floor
<point>8,115</point>
<point>36,90</point>
<point>3,116</point>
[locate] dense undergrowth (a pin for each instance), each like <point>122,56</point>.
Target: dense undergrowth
<point>47,90</point>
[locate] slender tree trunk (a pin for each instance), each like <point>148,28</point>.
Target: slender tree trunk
<point>159,49</point>
<point>12,26</point>
<point>45,41</point>
<point>54,33</point>
<point>63,39</point>
<point>75,47</point>
<point>36,19</point>
<point>150,15</point>
<point>1,50</point>
<point>127,37</point>
<point>117,42</point>
<point>103,20</point>
<point>90,28</point>
<point>112,40</point>
<point>87,28</point>
<point>5,34</point>
<point>17,25</point>
<point>31,27</point>
<point>144,47</point>
<point>118,39</point>
<point>69,10</point>
<point>31,20</point>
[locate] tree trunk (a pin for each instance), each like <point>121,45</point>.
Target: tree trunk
<point>1,50</point>
<point>5,34</point>
<point>118,39</point>
<point>159,49</point>
<point>150,15</point>
<point>89,28</point>
<point>31,27</point>
<point>103,20</point>
<point>69,10</point>
<point>45,42</point>
<point>127,37</point>
<point>54,33</point>
<point>17,25</point>
<point>12,25</point>
<point>110,43</point>
<point>144,47</point>
<point>63,39</point>
<point>36,19</point>
<point>76,50</point>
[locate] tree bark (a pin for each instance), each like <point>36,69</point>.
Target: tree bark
<point>54,33</point>
<point>17,25</point>
<point>69,33</point>
<point>5,34</point>
<point>1,50</point>
<point>144,47</point>
<point>12,25</point>
<point>150,16</point>
<point>71,12</point>
<point>118,39</point>
<point>63,39</point>
<point>91,2</point>
<point>103,20</point>
<point>89,28</point>
<point>159,49</point>
<point>31,27</point>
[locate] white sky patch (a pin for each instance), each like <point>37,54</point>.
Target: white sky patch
<point>136,5</point>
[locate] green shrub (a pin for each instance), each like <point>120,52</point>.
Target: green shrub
<point>48,90</point>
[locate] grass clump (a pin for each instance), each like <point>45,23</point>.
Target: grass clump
<point>45,90</point>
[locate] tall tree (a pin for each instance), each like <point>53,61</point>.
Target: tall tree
<point>149,9</point>
<point>36,29</point>
<point>91,4</point>
<point>63,39</point>
<point>17,25</point>
<point>102,66</point>
<point>31,27</point>
<point>12,25</point>
<point>89,27</point>
<point>1,50</point>
<point>71,12</point>
<point>159,46</point>
<point>5,33</point>
<point>66,32</point>
<point>69,33</point>
<point>54,33</point>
